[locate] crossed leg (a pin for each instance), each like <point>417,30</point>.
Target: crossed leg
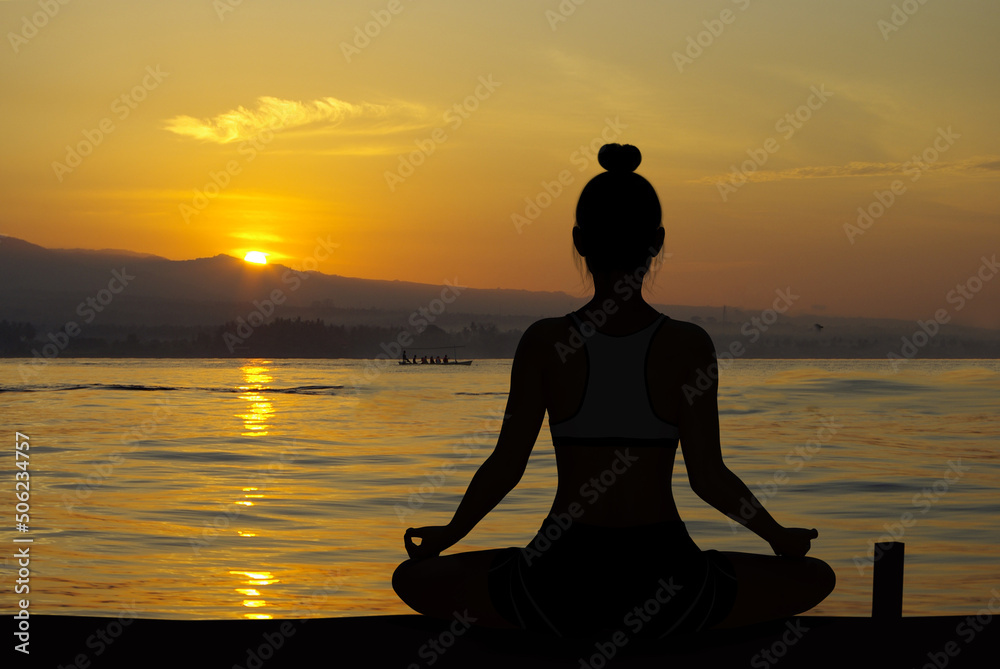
<point>447,585</point>
<point>771,587</point>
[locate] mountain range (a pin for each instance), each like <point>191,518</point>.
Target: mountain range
<point>106,292</point>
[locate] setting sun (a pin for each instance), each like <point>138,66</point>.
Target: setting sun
<point>256,257</point>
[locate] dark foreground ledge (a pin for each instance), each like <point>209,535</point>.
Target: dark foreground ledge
<point>415,642</point>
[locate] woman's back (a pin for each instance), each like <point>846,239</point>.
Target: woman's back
<point>614,482</point>
<point>616,380</point>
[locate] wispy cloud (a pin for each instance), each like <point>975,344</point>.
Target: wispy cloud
<point>273,114</point>
<point>861,169</point>
<point>257,236</point>
<point>992,165</point>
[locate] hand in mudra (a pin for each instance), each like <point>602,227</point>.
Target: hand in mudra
<point>433,540</point>
<point>793,541</point>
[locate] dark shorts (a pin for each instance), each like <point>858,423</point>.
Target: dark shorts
<point>649,581</point>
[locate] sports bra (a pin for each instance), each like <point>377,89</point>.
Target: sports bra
<point>616,409</point>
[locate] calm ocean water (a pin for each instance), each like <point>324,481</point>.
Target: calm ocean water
<point>278,488</point>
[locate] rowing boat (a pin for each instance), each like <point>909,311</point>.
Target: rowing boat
<point>437,364</point>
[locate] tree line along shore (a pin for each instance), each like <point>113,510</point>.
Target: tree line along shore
<point>305,338</point>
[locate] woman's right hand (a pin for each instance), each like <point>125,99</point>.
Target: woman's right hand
<point>793,541</point>
<point>433,540</point>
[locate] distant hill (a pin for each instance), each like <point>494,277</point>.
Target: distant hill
<point>113,293</point>
<point>46,287</point>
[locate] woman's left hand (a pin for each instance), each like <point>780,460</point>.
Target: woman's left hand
<point>793,541</point>
<point>433,540</point>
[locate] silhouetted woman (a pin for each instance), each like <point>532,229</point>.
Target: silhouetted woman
<point>622,385</point>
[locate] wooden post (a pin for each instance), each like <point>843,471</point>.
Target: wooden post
<point>887,584</point>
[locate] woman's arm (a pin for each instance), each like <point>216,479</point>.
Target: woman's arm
<point>710,478</point>
<point>502,470</point>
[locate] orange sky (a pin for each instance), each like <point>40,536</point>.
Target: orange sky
<point>311,128</point>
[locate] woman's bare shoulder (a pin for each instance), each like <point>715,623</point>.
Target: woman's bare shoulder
<point>547,330</point>
<point>691,335</point>
<point>543,337</point>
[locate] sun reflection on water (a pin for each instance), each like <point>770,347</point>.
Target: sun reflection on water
<point>256,376</point>
<point>256,422</point>
<point>253,597</point>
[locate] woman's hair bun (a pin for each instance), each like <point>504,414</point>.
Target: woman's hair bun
<point>619,157</point>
